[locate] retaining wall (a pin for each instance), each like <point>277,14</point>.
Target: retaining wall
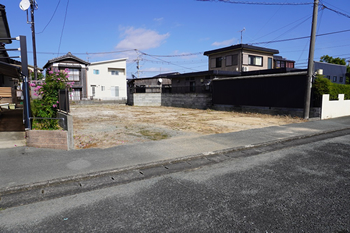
<point>53,139</point>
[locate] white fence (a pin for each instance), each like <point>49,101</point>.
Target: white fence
<point>334,108</point>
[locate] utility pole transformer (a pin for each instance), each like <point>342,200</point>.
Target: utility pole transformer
<point>310,67</point>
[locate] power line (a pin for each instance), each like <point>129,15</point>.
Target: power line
<point>335,6</point>
<point>299,38</point>
<point>64,23</point>
<point>306,18</point>
<point>179,55</point>
<point>338,12</point>
<point>292,28</point>
<point>260,3</point>
<point>51,18</point>
<point>166,61</point>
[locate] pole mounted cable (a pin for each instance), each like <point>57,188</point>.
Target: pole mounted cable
<point>50,18</point>
<point>338,12</point>
<point>64,23</point>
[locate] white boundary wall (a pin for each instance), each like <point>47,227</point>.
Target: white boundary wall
<point>334,108</point>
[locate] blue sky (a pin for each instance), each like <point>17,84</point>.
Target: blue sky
<point>175,33</point>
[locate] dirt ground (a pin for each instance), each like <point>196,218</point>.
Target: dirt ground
<point>103,126</point>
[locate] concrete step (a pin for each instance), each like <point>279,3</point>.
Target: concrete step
<point>12,139</point>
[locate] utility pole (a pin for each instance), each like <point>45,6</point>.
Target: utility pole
<point>310,67</point>
<point>24,5</point>
<point>34,6</point>
<point>138,64</point>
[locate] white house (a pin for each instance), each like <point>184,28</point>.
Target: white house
<point>106,80</point>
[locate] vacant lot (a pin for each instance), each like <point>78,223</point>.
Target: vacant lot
<point>104,126</point>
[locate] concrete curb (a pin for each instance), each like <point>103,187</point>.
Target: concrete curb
<point>39,191</point>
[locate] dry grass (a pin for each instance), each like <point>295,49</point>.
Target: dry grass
<point>113,125</point>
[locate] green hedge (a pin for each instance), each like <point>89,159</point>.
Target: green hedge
<point>325,86</point>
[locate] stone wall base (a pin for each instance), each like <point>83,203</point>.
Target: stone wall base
<point>294,112</point>
<point>52,139</point>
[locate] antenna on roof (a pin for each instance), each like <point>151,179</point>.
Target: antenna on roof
<point>242,34</point>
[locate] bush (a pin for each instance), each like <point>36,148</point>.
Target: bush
<point>325,86</point>
<point>47,105</point>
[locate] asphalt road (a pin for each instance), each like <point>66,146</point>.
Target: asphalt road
<point>305,188</point>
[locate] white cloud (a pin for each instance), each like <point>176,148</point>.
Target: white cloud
<point>141,39</point>
<point>158,19</point>
<point>225,42</point>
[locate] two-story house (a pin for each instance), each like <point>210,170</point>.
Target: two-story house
<point>77,71</point>
<point>334,72</point>
<point>241,58</point>
<point>107,80</point>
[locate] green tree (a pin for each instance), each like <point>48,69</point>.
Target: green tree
<point>330,59</point>
<point>339,61</point>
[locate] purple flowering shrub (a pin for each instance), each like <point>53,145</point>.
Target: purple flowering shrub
<point>46,105</point>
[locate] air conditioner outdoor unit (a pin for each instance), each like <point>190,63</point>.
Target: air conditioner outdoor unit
<point>245,68</point>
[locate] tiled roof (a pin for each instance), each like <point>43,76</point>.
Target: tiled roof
<point>69,55</point>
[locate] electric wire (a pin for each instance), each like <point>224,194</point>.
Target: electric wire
<point>50,18</point>
<point>64,23</point>
<point>306,17</point>
<point>318,28</point>
<point>299,38</point>
<point>291,29</point>
<point>335,6</point>
<point>261,28</point>
<point>338,12</point>
<point>260,3</point>
<point>167,61</point>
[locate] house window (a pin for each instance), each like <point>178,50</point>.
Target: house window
<point>96,71</point>
<point>255,60</point>
<point>75,94</point>
<point>192,86</point>
<point>341,79</point>
<point>290,65</point>
<point>329,77</point>
<point>218,62</point>
<point>231,60</point>
<point>103,88</point>
<point>115,91</point>
<point>228,61</point>
<point>114,72</point>
<point>269,63</point>
<point>73,74</point>
<point>335,78</point>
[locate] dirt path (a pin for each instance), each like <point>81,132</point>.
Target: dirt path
<point>103,126</point>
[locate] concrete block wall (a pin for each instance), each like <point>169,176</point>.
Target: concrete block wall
<point>187,100</point>
<point>52,139</point>
<point>147,99</point>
